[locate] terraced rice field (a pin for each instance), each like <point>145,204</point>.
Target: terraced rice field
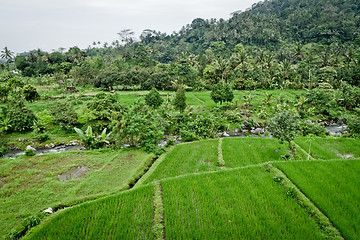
<point>331,148</point>
<point>334,186</point>
<point>188,158</point>
<point>126,216</point>
<point>186,195</point>
<point>240,152</point>
<point>241,204</point>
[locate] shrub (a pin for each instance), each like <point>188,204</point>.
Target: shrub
<point>29,153</point>
<point>101,111</point>
<point>140,125</point>
<point>42,137</point>
<point>316,129</point>
<point>30,93</point>
<point>64,115</point>
<point>153,99</point>
<point>16,118</point>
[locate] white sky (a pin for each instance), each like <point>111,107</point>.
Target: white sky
<point>49,24</point>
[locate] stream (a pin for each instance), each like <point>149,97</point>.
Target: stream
<point>41,151</point>
<point>333,130</point>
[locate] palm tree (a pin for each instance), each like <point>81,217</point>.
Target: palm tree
<point>7,54</point>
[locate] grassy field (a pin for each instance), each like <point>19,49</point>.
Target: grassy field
<point>187,158</point>
<point>240,152</point>
<point>334,186</point>
<point>331,148</point>
<point>241,204</point>
<point>126,216</point>
<point>32,184</point>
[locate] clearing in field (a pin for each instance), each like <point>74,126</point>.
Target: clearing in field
<point>334,187</point>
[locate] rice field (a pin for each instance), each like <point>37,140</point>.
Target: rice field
<point>330,148</point>
<point>334,187</point>
<point>126,216</point>
<point>188,158</point>
<point>240,204</point>
<point>186,195</point>
<point>32,184</point>
<point>240,152</point>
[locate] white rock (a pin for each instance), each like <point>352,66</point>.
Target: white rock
<point>49,210</point>
<point>28,147</point>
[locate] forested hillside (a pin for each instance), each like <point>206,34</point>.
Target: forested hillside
<point>271,25</point>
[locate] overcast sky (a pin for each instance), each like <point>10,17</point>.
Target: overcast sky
<point>49,24</point>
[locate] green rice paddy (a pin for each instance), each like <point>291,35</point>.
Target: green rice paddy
<point>334,186</point>
<point>194,197</point>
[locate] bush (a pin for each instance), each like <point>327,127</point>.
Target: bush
<point>308,128</point>
<point>30,93</point>
<point>101,111</point>
<point>3,151</point>
<point>353,125</point>
<point>29,153</point>
<point>64,115</point>
<point>140,126</point>
<point>42,137</point>
<point>16,117</point>
<point>153,99</point>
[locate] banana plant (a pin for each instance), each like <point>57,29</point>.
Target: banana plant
<point>90,140</point>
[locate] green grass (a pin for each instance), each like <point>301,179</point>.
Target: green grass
<point>187,158</point>
<point>241,204</point>
<point>334,187</point>
<point>126,216</point>
<point>32,183</point>
<point>331,148</point>
<point>239,152</point>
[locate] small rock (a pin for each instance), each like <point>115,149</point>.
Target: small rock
<point>28,147</point>
<point>276,150</point>
<point>225,134</point>
<point>262,146</point>
<point>236,130</point>
<point>49,210</point>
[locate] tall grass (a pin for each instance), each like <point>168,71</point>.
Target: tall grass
<point>188,158</point>
<point>246,151</point>
<point>334,186</point>
<point>126,216</point>
<point>241,204</point>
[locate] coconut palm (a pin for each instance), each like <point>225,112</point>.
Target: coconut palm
<point>7,54</point>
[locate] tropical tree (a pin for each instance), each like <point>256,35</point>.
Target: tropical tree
<point>7,54</point>
<point>222,92</point>
<point>180,99</point>
<point>285,127</point>
<point>126,36</point>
